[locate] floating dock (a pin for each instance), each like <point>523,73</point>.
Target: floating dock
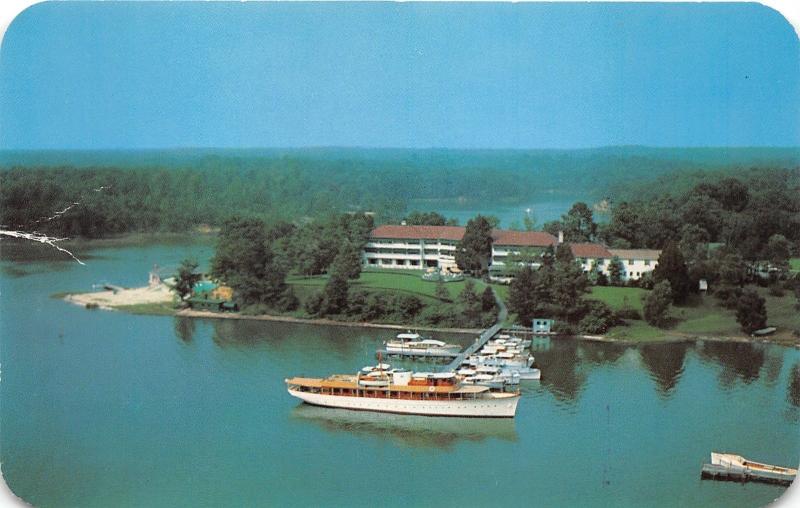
<point>735,468</point>
<point>484,337</point>
<point>457,358</point>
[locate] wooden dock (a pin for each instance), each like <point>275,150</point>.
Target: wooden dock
<point>735,468</point>
<point>483,338</point>
<point>457,358</point>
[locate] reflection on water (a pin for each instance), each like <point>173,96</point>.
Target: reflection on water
<point>793,392</point>
<point>739,360</point>
<point>665,363</point>
<point>561,373</point>
<point>184,328</point>
<point>408,430</point>
<point>254,333</point>
<point>566,364</point>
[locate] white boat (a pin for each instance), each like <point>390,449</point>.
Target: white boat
<point>500,360</point>
<point>374,368</point>
<point>487,380</point>
<point>529,373</point>
<point>428,394</point>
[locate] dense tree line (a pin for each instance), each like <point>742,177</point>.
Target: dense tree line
<point>254,257</point>
<point>742,213</point>
<point>177,190</point>
<point>556,290</point>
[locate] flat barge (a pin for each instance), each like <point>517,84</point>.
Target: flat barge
<point>735,468</point>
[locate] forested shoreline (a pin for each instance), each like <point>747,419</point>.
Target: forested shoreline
<point>111,193</point>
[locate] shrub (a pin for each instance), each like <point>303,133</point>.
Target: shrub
<point>313,304</point>
<point>776,290</point>
<point>647,281</point>
<point>598,319</point>
<point>287,301</point>
<point>751,311</point>
<point>408,305</point>
<point>657,303</point>
<point>375,307</point>
<point>564,328</point>
<point>627,313</point>
<point>728,296</point>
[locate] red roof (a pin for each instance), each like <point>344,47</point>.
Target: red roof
<point>523,238</point>
<point>455,233</point>
<point>589,250</point>
<point>419,232</point>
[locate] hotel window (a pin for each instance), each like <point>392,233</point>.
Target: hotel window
<point>646,262</point>
<point>630,261</point>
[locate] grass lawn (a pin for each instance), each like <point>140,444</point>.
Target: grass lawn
<point>409,282</point>
<point>794,264</point>
<point>616,297</point>
<point>638,331</point>
<point>703,316</point>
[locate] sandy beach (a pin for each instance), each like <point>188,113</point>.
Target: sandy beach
<point>134,296</point>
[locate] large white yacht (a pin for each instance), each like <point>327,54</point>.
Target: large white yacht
<point>422,393</point>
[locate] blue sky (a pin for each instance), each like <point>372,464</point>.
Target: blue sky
<point>156,75</point>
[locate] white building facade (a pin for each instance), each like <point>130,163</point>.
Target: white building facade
<point>412,247</point>
<point>635,262</point>
<point>423,247</point>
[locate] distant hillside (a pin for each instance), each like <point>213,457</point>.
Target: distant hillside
<point>510,175</point>
<point>174,189</point>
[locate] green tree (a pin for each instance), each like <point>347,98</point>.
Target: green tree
<point>524,296</point>
<point>579,225</point>
<point>694,244</point>
<point>566,284</point>
<point>335,294</point>
<point>470,303</point>
<point>348,261</point>
<point>244,261</point>
<point>751,311</point>
<point>778,252</point>
<point>598,318</point>
<point>524,257</point>
<point>416,218</point>
<point>441,291</point>
<point>672,267</point>
<point>657,303</point>
<point>615,270</point>
<point>475,248</point>
<point>186,278</point>
<point>488,302</point>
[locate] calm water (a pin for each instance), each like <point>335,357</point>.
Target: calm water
<point>108,409</point>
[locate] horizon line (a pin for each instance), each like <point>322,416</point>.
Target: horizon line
<point>389,147</point>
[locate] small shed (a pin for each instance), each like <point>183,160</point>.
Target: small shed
<point>542,326</point>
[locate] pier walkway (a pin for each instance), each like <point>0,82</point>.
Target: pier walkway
<point>484,336</point>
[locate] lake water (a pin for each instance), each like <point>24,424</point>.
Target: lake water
<point>108,409</point>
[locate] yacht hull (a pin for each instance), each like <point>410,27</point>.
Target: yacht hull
<point>495,405</point>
